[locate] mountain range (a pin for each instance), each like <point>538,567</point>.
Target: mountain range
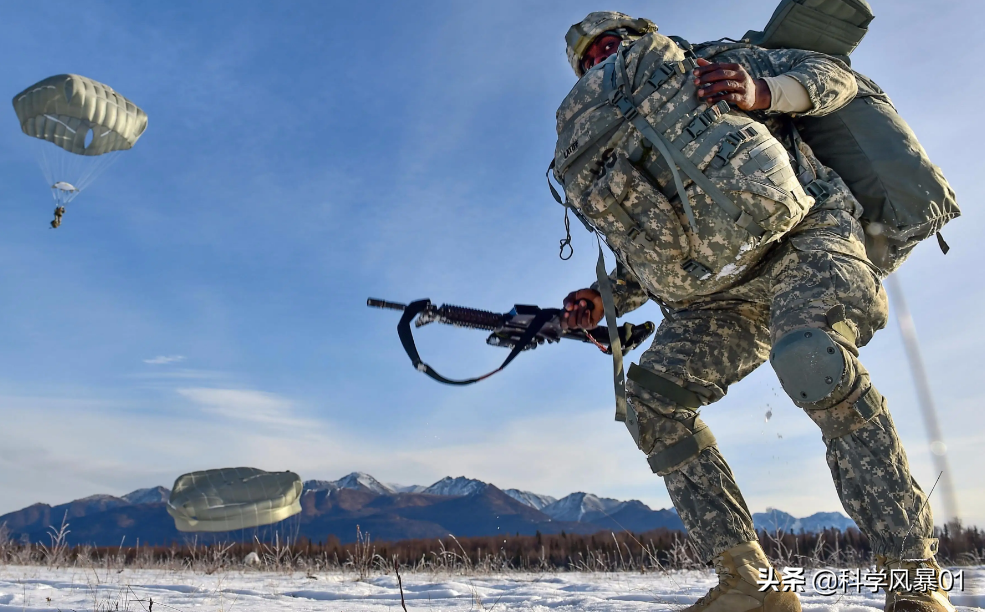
<point>389,512</point>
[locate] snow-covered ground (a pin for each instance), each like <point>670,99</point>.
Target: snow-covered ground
<point>28,589</point>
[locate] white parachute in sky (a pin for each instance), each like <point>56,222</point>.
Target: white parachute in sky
<point>88,123</point>
<point>226,499</point>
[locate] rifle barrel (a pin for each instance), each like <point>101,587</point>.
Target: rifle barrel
<point>384,304</point>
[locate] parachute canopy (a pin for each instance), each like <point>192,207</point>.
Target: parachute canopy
<point>233,498</point>
<point>79,115</point>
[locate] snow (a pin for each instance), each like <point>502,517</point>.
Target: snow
<point>575,506</point>
<point>456,486</point>
<point>406,488</point>
<point>319,485</point>
<point>148,496</point>
<point>358,481</point>
<point>534,500</point>
<point>363,482</point>
<point>32,589</point>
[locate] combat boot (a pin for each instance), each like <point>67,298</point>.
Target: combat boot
<point>920,591</point>
<point>738,570</point>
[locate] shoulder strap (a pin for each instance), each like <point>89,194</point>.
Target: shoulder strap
<point>685,46</point>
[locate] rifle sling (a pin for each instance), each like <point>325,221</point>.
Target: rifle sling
<point>407,340</point>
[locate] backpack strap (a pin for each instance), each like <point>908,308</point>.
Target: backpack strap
<point>817,189</point>
<point>685,47</point>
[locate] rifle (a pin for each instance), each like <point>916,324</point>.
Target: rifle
<point>523,328</point>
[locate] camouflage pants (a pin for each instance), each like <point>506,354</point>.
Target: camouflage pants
<point>817,278</point>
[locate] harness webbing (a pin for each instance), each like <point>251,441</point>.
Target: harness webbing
<point>609,308</point>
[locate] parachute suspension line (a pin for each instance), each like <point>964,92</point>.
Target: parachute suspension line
<point>96,167</point>
<point>46,165</point>
<point>72,173</point>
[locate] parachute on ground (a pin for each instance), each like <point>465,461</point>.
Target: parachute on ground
<point>87,122</point>
<point>227,499</point>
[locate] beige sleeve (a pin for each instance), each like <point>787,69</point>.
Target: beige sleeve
<point>788,95</point>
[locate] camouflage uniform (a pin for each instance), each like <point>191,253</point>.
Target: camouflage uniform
<point>815,277</point>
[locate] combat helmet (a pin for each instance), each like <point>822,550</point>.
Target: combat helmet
<point>581,35</point>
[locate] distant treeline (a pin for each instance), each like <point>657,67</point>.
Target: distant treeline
<point>607,551</point>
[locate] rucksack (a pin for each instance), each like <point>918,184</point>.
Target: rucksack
<point>657,193</point>
<point>643,188</point>
<point>904,196</point>
<point>834,27</point>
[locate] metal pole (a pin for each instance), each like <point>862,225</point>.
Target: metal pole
<point>938,450</point>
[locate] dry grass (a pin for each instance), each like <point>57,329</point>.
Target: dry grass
<point>654,551</point>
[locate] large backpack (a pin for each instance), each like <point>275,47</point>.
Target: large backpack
<point>904,196</point>
<point>648,165</point>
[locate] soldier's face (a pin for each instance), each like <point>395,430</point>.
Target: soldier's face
<point>601,48</point>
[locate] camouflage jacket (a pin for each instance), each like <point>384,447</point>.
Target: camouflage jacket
<point>830,84</point>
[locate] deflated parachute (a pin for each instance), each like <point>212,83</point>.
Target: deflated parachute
<point>233,498</point>
<point>86,119</point>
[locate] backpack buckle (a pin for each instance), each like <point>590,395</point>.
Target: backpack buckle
<point>623,104</point>
<point>818,189</point>
<point>638,236</point>
<point>698,125</point>
<point>661,75</point>
<point>705,120</point>
<point>697,270</point>
<point>730,145</point>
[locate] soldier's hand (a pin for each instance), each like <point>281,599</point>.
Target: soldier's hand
<point>582,310</point>
<point>731,82</point>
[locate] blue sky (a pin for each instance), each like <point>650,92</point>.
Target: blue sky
<point>301,157</point>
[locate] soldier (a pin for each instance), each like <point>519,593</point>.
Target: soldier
<point>59,211</point>
<point>807,305</point>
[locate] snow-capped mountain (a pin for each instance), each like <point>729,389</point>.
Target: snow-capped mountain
<point>319,485</point>
<point>461,505</point>
<point>774,519</point>
<point>363,482</point>
<point>95,503</point>
<point>406,488</point>
<point>148,496</point>
<point>358,481</point>
<point>534,500</point>
<point>576,506</point>
<point>456,486</point>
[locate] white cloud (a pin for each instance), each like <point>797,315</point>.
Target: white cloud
<point>179,373</point>
<point>164,359</point>
<point>245,404</point>
<point>47,452</point>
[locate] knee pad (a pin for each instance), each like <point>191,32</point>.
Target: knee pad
<point>808,363</point>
